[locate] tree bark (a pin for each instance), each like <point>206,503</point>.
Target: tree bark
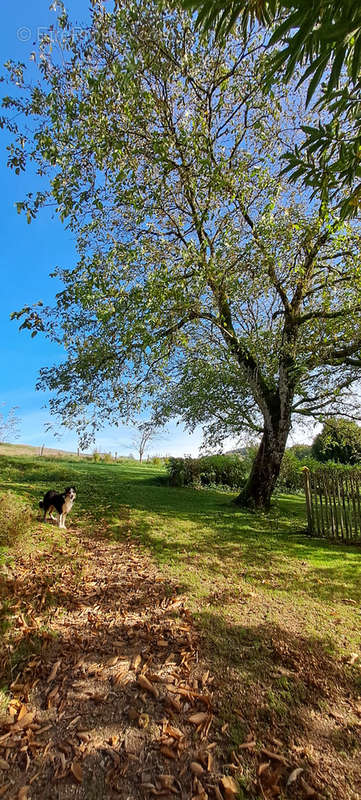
<point>257,492</point>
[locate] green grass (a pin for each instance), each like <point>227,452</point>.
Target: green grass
<point>278,611</point>
<point>218,552</point>
<point>199,535</point>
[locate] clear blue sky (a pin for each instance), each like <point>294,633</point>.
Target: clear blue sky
<point>28,254</point>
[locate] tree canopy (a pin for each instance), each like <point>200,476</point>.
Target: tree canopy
<point>339,440</point>
<point>320,42</point>
<point>203,286</point>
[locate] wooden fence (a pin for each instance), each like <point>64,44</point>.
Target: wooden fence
<point>333,500</point>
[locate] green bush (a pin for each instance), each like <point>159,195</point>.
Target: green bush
<point>301,451</point>
<point>156,461</point>
<point>339,441</point>
<point>15,519</point>
<point>290,477</point>
<point>219,470</point>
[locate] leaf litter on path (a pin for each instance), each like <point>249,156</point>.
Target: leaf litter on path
<point>110,686</point>
<point>110,695</point>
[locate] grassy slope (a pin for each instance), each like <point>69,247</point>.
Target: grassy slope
<point>277,609</point>
<point>203,539</point>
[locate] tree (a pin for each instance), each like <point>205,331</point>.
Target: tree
<point>146,433</point>
<point>322,39</point>
<point>339,440</point>
<point>203,285</point>
<point>301,451</point>
<point>9,425</point>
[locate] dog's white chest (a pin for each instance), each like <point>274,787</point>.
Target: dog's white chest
<point>68,505</point>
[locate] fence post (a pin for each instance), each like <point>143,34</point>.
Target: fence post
<point>307,485</point>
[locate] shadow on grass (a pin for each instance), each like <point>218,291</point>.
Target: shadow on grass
<point>119,613</point>
<point>283,688</point>
<point>200,529</point>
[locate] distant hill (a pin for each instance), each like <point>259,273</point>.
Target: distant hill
<point>28,450</point>
<point>242,451</point>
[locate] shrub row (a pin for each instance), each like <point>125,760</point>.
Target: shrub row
<point>291,474</point>
<point>207,471</point>
<point>232,471</point>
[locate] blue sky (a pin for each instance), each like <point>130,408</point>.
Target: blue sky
<point>28,254</point>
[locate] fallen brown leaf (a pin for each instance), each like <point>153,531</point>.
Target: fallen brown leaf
<point>230,787</point>
<point>136,661</point>
<point>196,768</point>
<point>308,790</point>
<point>22,712</point>
<point>198,718</point>
<point>175,733</point>
<point>23,793</point>
<point>54,671</point>
<point>77,771</point>
<point>294,775</point>
<point>146,684</point>
<point>24,722</point>
<point>275,756</point>
<point>248,745</point>
<point>167,752</point>
<point>166,781</point>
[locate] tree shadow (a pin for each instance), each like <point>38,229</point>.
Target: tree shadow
<point>79,670</point>
<point>288,693</point>
<point>265,549</point>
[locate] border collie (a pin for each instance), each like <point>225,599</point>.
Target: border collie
<point>62,503</point>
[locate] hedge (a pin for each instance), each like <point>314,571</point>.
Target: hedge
<point>219,470</point>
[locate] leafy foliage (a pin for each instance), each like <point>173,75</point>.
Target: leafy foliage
<point>339,441</point>
<point>301,451</point>
<point>215,470</point>
<point>326,35</point>
<point>290,477</point>
<point>203,286</point>
<point>323,39</point>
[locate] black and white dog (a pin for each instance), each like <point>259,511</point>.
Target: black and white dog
<point>62,503</point>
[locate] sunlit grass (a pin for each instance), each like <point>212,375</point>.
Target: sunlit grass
<point>206,542</point>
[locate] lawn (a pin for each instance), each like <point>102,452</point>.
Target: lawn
<point>278,612</point>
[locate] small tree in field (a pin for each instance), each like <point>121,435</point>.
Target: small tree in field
<point>339,440</point>
<point>9,425</point>
<point>146,433</point>
<point>203,284</point>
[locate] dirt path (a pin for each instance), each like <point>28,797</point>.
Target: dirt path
<point>117,703</point>
<point>112,697</point>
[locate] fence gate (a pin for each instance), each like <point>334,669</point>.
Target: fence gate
<point>333,500</point>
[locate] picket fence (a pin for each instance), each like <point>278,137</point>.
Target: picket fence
<point>333,500</point>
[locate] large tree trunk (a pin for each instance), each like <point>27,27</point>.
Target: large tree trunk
<point>266,467</point>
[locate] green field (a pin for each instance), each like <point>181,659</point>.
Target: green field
<point>278,613</point>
